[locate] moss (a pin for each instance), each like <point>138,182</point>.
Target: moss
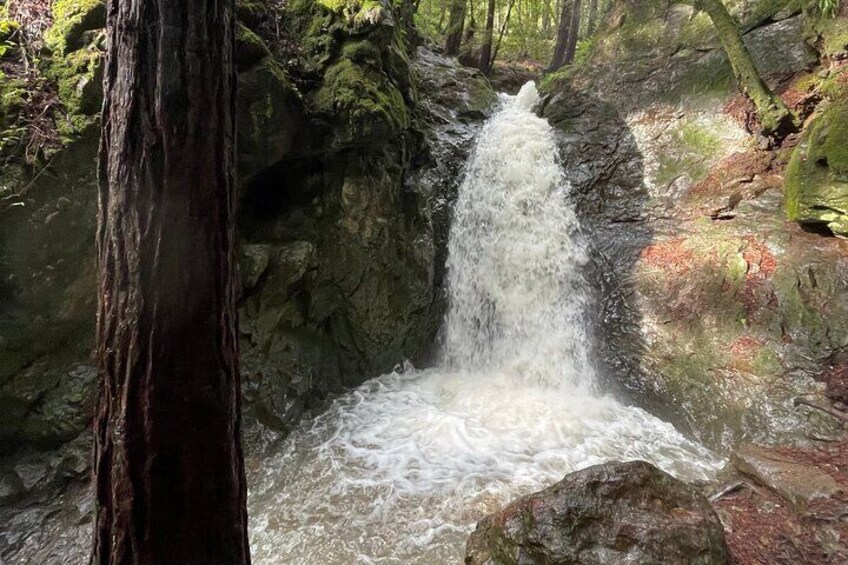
<point>362,52</point>
<point>364,96</point>
<point>357,12</point>
<point>7,32</point>
<point>697,31</point>
<point>767,363</point>
<point>835,86</point>
<point>693,147</point>
<point>817,177</point>
<point>832,33</point>
<point>267,104</point>
<point>71,20</point>
<point>13,97</point>
<point>250,49</point>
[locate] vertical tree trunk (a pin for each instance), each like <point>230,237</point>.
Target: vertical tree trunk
<point>574,32</point>
<point>592,24</point>
<point>486,51</point>
<point>169,472</point>
<point>502,32</point>
<point>456,21</point>
<point>563,33</point>
<point>775,118</point>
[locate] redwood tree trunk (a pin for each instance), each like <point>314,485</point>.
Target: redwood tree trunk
<point>169,472</point>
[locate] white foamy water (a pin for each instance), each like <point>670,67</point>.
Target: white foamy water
<point>401,469</point>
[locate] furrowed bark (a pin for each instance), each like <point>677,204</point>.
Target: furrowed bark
<point>169,472</point>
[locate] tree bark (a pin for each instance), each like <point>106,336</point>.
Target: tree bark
<point>775,118</point>
<point>169,472</point>
<point>563,33</point>
<point>486,50</point>
<point>456,21</point>
<point>571,48</point>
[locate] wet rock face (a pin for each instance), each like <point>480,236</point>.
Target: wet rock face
<point>798,483</point>
<point>344,250</point>
<point>715,312</point>
<point>612,513</point>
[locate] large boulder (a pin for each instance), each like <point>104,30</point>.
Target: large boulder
<point>605,514</point>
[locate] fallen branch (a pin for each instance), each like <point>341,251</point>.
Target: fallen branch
<point>732,487</point>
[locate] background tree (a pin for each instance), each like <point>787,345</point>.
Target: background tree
<point>775,119</point>
<point>592,18</point>
<point>563,35</point>
<point>169,473</point>
<point>486,51</point>
<point>573,32</point>
<point>456,21</point>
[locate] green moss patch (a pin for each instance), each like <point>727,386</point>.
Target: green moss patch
<point>362,95</point>
<point>72,19</point>
<point>817,176</point>
<point>691,149</point>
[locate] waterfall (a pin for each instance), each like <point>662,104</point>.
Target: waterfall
<point>400,469</point>
<point>516,294</point>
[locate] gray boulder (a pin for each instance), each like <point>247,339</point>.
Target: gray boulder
<point>612,513</point>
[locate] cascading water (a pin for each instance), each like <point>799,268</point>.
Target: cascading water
<point>400,470</point>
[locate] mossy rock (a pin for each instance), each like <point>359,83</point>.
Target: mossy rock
<point>832,33</point>
<point>250,49</point>
<point>79,78</point>
<point>368,103</point>
<point>267,108</point>
<point>251,12</point>
<point>817,176</point>
<point>71,20</point>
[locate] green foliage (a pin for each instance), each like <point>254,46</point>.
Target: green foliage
<point>828,8</point>
<point>357,12</point>
<point>529,33</point>
<point>8,29</point>
<point>71,20</point>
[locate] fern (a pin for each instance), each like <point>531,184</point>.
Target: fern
<point>828,8</point>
